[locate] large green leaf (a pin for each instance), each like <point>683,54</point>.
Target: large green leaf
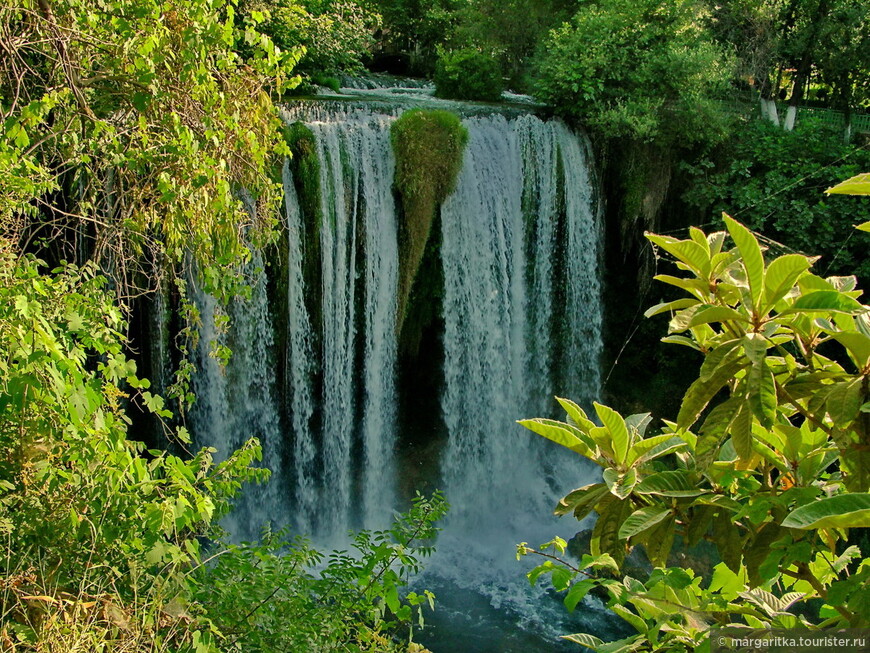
<point>857,185</point>
<point>576,413</point>
<point>675,483</point>
<point>704,389</point>
<point>568,436</point>
<point>782,274</point>
<point>741,433</point>
<point>726,582</point>
<point>659,540</point>
<point>716,314</point>
<point>689,252</point>
<point>857,344</point>
<point>714,430</point>
<point>641,520</point>
<point>581,501</point>
<point>755,345</point>
<point>605,533</point>
<point>728,540</point>
<point>589,641</point>
<point>629,616</point>
<point>825,301</point>
<point>753,260</point>
<point>576,594</point>
<point>762,392</point>
<point>654,447</point>
<point>696,287</point>
<point>620,484</point>
<point>844,401</point>
<point>675,305</point>
<point>714,359</point>
<point>618,431</point>
<point>842,511</point>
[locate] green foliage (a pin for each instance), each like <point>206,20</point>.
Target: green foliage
<point>102,539</point>
<point>772,178</point>
<point>336,34</point>
<point>98,538</point>
<point>414,29</point>
<point>645,70</point>
<point>134,125</point>
<point>768,456</point>
<point>508,30</point>
<point>428,146</point>
<point>267,597</point>
<point>468,75</point>
<point>809,49</point>
<point>857,185</point>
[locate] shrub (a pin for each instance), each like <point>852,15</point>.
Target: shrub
<point>774,474</point>
<point>468,75</point>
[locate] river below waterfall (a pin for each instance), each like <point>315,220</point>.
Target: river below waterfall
<point>318,375</point>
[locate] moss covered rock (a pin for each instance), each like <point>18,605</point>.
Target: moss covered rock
<point>428,146</point>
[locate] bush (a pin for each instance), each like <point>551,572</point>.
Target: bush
<point>768,458</point>
<point>102,539</point>
<point>468,75</point>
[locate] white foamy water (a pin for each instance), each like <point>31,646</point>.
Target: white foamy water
<point>522,322</point>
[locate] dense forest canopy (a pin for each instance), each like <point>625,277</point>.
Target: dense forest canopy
<point>141,148</point>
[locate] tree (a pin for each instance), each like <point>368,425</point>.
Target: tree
<point>645,70</point>
<point>129,128</point>
<point>771,179</point>
<point>768,457</point>
<point>798,49</point>
<point>337,34</point>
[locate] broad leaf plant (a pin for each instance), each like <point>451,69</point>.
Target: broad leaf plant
<point>769,457</point>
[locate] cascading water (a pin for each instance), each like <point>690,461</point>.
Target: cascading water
<point>500,254</point>
<point>519,248</point>
<point>238,401</point>
<point>519,252</point>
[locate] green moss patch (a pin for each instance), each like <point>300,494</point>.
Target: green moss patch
<point>428,146</point>
<point>305,166</point>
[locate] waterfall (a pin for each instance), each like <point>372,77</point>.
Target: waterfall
<point>301,364</point>
<point>359,267</point>
<point>237,401</point>
<point>520,252</point>
<point>520,308</point>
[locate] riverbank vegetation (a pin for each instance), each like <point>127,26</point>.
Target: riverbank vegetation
<point>128,131</point>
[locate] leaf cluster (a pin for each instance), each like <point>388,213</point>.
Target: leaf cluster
<point>132,126</point>
<point>768,457</point>
<point>645,70</point>
<point>280,594</point>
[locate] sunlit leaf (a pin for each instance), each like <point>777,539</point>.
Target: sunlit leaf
<point>750,253</point>
<point>841,511</point>
<point>857,185</point>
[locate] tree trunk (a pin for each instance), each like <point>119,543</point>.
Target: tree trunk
<point>805,67</point>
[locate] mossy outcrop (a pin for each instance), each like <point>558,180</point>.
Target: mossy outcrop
<point>428,146</point>
<point>304,166</point>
